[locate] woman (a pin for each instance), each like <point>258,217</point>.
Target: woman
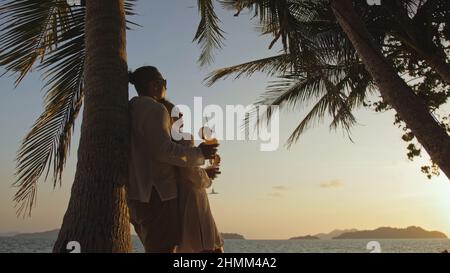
<point>199,232</point>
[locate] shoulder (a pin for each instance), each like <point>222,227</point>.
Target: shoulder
<point>144,101</point>
<point>146,104</point>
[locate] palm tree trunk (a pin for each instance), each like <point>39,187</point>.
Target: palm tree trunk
<point>97,215</point>
<point>393,89</point>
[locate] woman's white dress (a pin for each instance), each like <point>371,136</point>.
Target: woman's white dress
<point>198,228</point>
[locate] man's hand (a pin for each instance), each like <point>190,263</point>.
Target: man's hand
<point>209,151</point>
<point>212,172</point>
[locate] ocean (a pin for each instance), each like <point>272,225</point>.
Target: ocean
<point>43,245</point>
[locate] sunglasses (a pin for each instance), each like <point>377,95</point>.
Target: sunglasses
<point>163,81</point>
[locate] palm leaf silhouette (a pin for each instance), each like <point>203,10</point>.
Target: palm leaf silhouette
<point>47,35</point>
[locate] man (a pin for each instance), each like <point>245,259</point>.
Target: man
<point>152,190</point>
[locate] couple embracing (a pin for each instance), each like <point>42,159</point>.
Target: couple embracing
<point>167,197</point>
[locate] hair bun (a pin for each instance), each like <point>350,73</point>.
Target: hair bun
<point>131,78</point>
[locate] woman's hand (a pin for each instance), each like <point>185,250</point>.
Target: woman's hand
<point>209,150</point>
<point>212,172</point>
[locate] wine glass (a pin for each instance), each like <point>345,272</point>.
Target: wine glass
<point>206,134</point>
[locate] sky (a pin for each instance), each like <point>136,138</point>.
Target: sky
<point>324,182</point>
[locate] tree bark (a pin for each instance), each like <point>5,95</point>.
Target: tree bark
<point>393,88</point>
<point>97,215</point>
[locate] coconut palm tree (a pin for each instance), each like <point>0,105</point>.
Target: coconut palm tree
<point>394,90</point>
<point>76,67</point>
<point>318,47</point>
<point>97,215</point>
<point>81,51</point>
<point>421,27</point>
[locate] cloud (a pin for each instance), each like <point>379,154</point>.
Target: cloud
<point>277,191</point>
<point>332,184</point>
<point>275,194</point>
<point>280,188</point>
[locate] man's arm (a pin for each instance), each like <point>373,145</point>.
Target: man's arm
<point>196,175</point>
<point>156,129</point>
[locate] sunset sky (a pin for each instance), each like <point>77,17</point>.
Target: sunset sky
<point>324,182</point>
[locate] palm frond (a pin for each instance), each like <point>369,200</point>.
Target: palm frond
<point>270,65</point>
<point>337,91</point>
<point>209,34</point>
<point>324,66</point>
<point>316,114</point>
<point>48,142</point>
<point>51,39</point>
<point>292,89</point>
<point>29,30</point>
<point>330,99</point>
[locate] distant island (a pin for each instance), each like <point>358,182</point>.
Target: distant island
<point>411,232</point>
<point>324,236</point>
<point>54,233</point>
<point>334,233</point>
<point>45,234</point>
<point>307,237</point>
<point>232,236</point>
<point>8,234</point>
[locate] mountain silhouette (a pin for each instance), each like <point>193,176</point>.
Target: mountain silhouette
<point>411,232</point>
